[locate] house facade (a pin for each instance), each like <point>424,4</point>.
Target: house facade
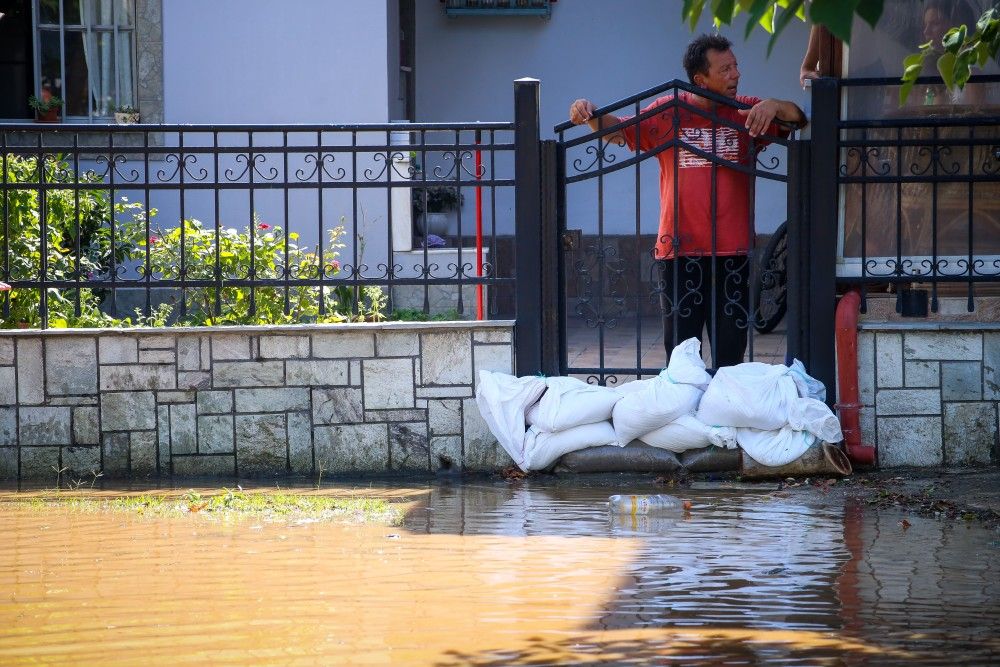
<point>328,78</point>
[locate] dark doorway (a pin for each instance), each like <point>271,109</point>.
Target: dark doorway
<point>17,72</point>
<point>407,56</point>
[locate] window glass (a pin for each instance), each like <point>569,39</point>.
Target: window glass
<point>125,51</point>
<point>50,60</point>
<point>99,12</point>
<point>77,96</point>
<point>48,11</point>
<point>906,25</point>
<point>71,12</point>
<point>125,13</point>
<point>101,65</point>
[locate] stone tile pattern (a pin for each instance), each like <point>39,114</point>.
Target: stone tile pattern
<point>930,398</point>
<point>306,400</point>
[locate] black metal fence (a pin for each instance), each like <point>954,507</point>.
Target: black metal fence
<point>653,252</point>
<point>254,224</point>
<point>918,186</point>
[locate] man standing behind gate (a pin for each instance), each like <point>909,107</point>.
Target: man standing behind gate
<point>709,258</point>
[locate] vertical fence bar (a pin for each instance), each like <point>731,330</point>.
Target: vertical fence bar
<point>550,266</point>
<point>6,226</point>
<point>43,303</point>
<point>76,219</point>
<point>798,193</point>
<point>822,240</point>
<point>527,227</point>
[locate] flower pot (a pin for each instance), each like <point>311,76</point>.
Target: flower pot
<point>126,118</point>
<point>436,223</point>
<point>50,116</point>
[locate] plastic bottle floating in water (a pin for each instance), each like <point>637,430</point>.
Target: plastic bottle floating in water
<point>653,504</point>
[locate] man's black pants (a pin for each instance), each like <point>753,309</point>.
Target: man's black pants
<point>693,307</point>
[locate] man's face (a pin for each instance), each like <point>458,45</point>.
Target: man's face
<point>723,76</point>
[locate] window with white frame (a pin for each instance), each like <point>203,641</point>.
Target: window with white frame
<point>82,51</point>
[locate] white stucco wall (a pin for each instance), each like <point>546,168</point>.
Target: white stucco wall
<point>259,61</point>
<point>590,48</point>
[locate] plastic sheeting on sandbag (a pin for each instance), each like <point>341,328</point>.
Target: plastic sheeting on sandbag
<point>808,414</point>
<point>749,395</point>
<point>673,393</point>
<point>568,402</point>
<point>686,432</point>
<point>503,400</point>
<point>808,386</point>
<point>775,447</point>
<point>541,448</point>
<point>636,457</point>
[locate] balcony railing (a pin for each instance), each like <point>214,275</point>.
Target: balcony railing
<point>498,8</point>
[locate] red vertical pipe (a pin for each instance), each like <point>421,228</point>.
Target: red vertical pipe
<point>849,405</point>
<point>479,228</point>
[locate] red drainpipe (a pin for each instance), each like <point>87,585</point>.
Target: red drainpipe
<point>849,406</point>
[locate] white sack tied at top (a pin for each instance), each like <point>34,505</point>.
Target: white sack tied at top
<point>503,400</point>
<point>749,395</point>
<point>542,448</point>
<point>686,432</point>
<point>569,402</point>
<point>809,420</point>
<point>676,391</point>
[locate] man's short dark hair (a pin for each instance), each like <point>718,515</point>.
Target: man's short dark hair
<point>696,56</point>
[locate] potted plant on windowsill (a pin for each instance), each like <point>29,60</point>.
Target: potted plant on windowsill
<point>126,115</point>
<point>47,110</point>
<point>439,199</point>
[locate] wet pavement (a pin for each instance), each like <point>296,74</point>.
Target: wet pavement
<point>495,573</point>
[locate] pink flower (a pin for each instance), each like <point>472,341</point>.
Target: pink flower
<point>153,239</point>
<point>264,225</point>
<point>336,265</point>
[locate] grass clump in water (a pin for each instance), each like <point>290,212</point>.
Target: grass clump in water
<point>271,505</point>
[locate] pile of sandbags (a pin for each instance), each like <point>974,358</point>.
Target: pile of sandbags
<point>776,411</point>
<point>773,412</point>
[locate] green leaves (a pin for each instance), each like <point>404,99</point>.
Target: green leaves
<point>836,15</point>
<point>962,47</point>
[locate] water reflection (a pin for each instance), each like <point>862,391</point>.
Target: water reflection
<point>502,575</point>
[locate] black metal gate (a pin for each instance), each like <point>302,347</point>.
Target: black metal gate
<point>633,280</point>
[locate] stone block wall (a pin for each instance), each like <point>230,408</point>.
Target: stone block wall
<point>347,399</point>
<point>931,393</point>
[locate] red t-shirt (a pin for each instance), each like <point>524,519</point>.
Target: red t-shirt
<point>694,183</point>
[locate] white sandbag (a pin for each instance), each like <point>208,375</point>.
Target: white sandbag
<point>686,432</point>
<point>503,400</point>
<point>807,385</point>
<point>673,393</point>
<point>541,448</point>
<point>568,402</point>
<point>808,414</point>
<point>776,447</point>
<point>749,395</point>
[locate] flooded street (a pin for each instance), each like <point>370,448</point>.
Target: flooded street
<point>498,574</point>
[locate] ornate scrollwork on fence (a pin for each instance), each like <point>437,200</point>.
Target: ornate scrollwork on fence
<point>936,158</point>
<point>868,161</point>
<point>601,156</point>
<point>182,166</point>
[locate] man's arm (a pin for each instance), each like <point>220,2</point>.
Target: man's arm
<point>811,63</point>
<point>760,115</point>
<point>582,111</point>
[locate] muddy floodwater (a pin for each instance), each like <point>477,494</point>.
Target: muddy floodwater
<point>498,574</point>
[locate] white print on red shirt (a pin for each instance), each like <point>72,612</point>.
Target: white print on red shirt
<point>726,146</point>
